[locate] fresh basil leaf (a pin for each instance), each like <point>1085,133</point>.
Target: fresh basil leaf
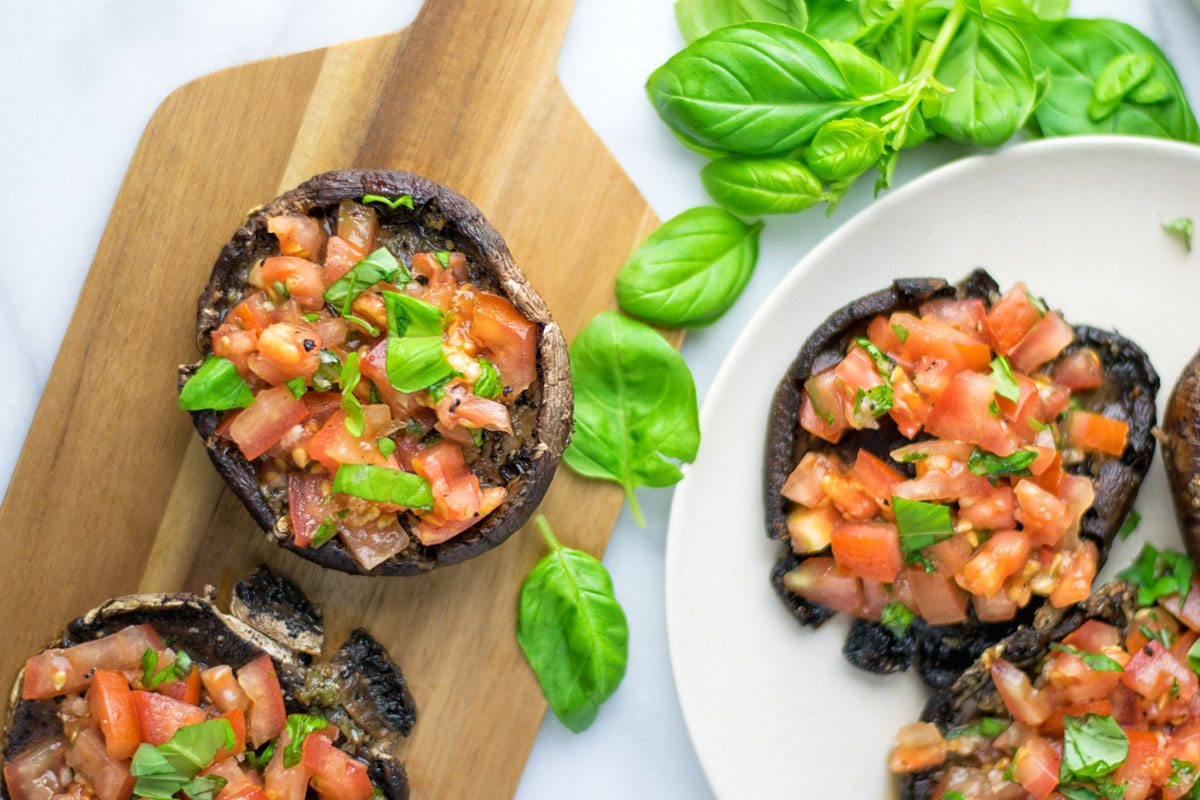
<point>994,408</point>
<point>987,727</point>
<point>328,371</point>
<point>408,316</point>
<point>988,67</point>
<point>1150,93</point>
<point>1117,81</point>
<point>573,631</point>
<point>896,617</point>
<point>322,535</point>
<point>443,258</point>
<point>1075,52</point>
<point>258,760</point>
<point>834,19</point>
<point>1094,661</point>
<point>392,203</point>
<point>416,362</point>
<point>883,362</point>
<point>1036,424</point>
<point>1159,573</point>
<point>953,794</point>
<point>297,387</point>
<point>298,727</point>
<point>1130,524</point>
<point>921,524</point>
<point>990,465</point>
<point>377,267</point>
<point>871,404</point>
<point>1093,746</point>
<point>630,421</point>
<point>845,148</point>
<point>349,381</point>
<point>177,670</point>
<point>362,323</point>
<point>386,446</point>
<point>761,89</point>
<point>1019,11</point>
<point>691,270</point>
<point>204,787</point>
<point>165,770</point>
<point>1183,227</point>
<point>1004,380</point>
<point>310,318</point>
<point>488,384</point>
<point>901,333</point>
<point>215,386</point>
<point>758,186</point>
<point>384,485</point>
<point>697,18</point>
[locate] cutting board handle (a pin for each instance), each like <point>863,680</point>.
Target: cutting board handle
<point>531,29</point>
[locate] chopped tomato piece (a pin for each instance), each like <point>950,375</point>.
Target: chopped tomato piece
<point>333,445</point>
<point>302,280</point>
<point>340,256</point>
<point>250,792</point>
<point>1079,370</point>
<point>1011,318</point>
<point>965,316</point>
<point>997,608</point>
<point>990,513</point>
<point>160,716</point>
<point>298,235</point>
<point>909,408</point>
<point>1042,344</point>
<point>1154,671</point>
<point>309,505</point>
<point>509,338</point>
<point>231,342</point>
<point>1044,516</point>
<point>285,783</point>
<point>110,703</point>
<point>935,339</point>
<point>805,483</point>
<point>950,554</point>
<point>883,336</point>
<point>919,746</point>
<point>110,778</point>
<point>857,371</point>
<point>236,778</point>
<point>460,407</point>
<point>264,422</point>
<point>818,422</point>
<point>456,493</point>
<point>433,530</point>
<point>850,500</point>
<point>1075,583</point>
<point>811,529</point>
<point>932,376</point>
<point>875,476</point>
<point>937,597</point>
<point>1146,766</point>
<point>68,670</point>
<point>237,721</point>
<point>261,685</point>
<point>1089,431</point>
<point>819,580</point>
<point>223,688</point>
<point>253,314</point>
<point>954,483</point>
<point>335,775</point>
<point>358,225</point>
<point>374,541</point>
<point>868,549</point>
<point>1035,767</point>
<point>35,773</point>
<point>286,351</point>
<point>964,413</point>
<point>1000,557</point>
<point>187,690</point>
<point>1026,704</point>
<point>1054,724</point>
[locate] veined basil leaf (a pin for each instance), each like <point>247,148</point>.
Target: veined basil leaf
<point>635,406</point>
<point>416,362</point>
<point>384,485</point>
<point>408,316</point>
<point>392,203</point>
<point>349,380</point>
<point>990,465</point>
<point>1094,661</point>
<point>488,385</point>
<point>986,727</point>
<point>1075,52</point>
<point>215,386</point>
<point>165,770</point>
<point>379,266</point>
<point>1159,573</point>
<point>845,148</point>
<point>1020,11</point>
<point>896,617</point>
<point>691,270</point>
<point>921,524</point>
<point>1117,81</point>
<point>1184,228</point>
<point>1093,746</point>
<point>573,631</point>
<point>699,17</point>
<point>760,89</point>
<point>758,186</point>
<point>1004,380</point>
<point>299,726</point>
<point>834,19</point>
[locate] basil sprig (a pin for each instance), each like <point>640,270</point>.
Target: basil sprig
<point>986,727</point>
<point>215,386</point>
<point>384,485</point>
<point>1004,380</point>
<point>883,362</point>
<point>164,771</point>
<point>921,524</point>
<point>1184,228</point>
<point>1159,573</point>
<point>573,631</point>
<point>377,267</point>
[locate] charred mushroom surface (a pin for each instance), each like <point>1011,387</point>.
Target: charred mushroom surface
<point>194,624</point>
<point>521,462</point>
<point>1181,453</point>
<point>940,652</point>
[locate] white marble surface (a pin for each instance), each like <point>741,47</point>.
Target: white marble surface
<point>78,80</point>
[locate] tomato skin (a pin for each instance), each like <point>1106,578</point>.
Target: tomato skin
<point>267,714</point>
<point>34,773</point>
<point>868,549</point>
<point>1089,431</point>
<point>109,778</point>
<point>509,338</point>
<point>161,716</point>
<point>1026,704</point>
<point>264,422</point>
<point>298,235</point>
<point>1042,344</point>
<point>965,316</point>
<point>235,776</point>
<point>68,670</point>
<point>963,413</point>
<point>1079,370</point>
<point>1000,557</point>
<point>1075,583</point>
<point>1036,766</point>
<point>223,688</point>
<point>1011,318</point>
<point>819,580</point>
<point>937,597</point>
<point>110,703</point>
<point>335,775</point>
<point>909,408</point>
<point>333,445</point>
<point>304,280</point>
<point>804,484</point>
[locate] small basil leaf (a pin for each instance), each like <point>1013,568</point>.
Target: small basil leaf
<point>845,148</point>
<point>443,258</point>
<point>699,17</point>
<point>404,200</point>
<point>757,186</point>
<point>990,465</point>
<point>377,267</point>
<point>1184,228</point>
<point>1093,746</point>
<point>416,362</point>
<point>349,381</point>
<point>488,385</point>
<point>384,485</point>
<point>297,387</point>
<point>921,524</point>
<point>1093,661</point>
<point>896,617</point>
<point>408,316</point>
<point>215,386</point>
<point>573,631</point>
<point>1004,380</point>
<point>299,726</point>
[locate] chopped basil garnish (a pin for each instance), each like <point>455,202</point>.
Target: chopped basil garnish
<point>953,794</point>
<point>385,445</point>
<point>896,617</point>
<point>488,384</point>
<point>1184,228</point>
<point>883,362</point>
<point>1093,746</point>
<point>1159,573</point>
<point>1130,524</point>
<point>901,333</point>
<point>379,266</point>
<point>403,200</point>
<point>297,387</point>
<point>177,670</point>
<point>987,727</point>
<point>281,291</point>
<point>871,404</point>
<point>362,323</point>
<point>299,726</point>
<point>216,386</point>
<point>260,759</point>
<point>173,767</point>
<point>408,316</point>
<point>416,363</point>
<point>443,258</point>
<point>1094,661</point>
<point>311,318</point>
<point>921,524</point>
<point>384,485</point>
<point>322,535</point>
<point>1161,635</point>
<point>476,436</point>
<point>328,372</point>
<point>921,560</point>
<point>994,408</point>
<point>1004,380</point>
<point>349,380</point>
<point>1037,425</point>
<point>990,465</point>
<point>1179,769</point>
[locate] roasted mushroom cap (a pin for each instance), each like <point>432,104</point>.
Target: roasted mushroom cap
<point>1181,453</point>
<point>441,219</point>
<point>974,696</point>
<point>360,690</point>
<point>942,652</point>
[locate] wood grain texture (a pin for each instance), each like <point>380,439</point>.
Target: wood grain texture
<point>113,493</point>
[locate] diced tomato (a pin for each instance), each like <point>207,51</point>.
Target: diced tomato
<point>1078,682</point>
<point>819,580</point>
<point>459,406</point>
<point>231,342</point>
<point>1055,399</point>
<point>874,476</point>
<point>110,703</point>
<point>848,498</point>
<point>883,336</point>
<point>1078,370</point>
<point>35,773</point>
<point>1027,405</point>
<point>340,256</point>
<point>237,721</point>
<point>1077,493</point>
<point>993,512</point>
<point>1026,704</point>
<point>1152,621</point>
<point>161,716</point>
<point>187,690</point>
<point>805,483</point>
<point>909,408</point>
<point>963,413</point>
<point>1044,516</point>
<point>1042,344</point>
<point>1001,556</point>
<point>868,549</point>
<point>456,493</point>
<point>1011,318</point>
<point>286,351</point>
<point>1185,743</point>
<point>357,225</point>
<point>309,505</point>
<point>950,554</point>
<point>333,445</point>
<point>252,314</point>
<point>920,451</point>
<point>236,778</point>
<point>953,483</point>
<point>1035,767</point>
<point>1089,431</point>
<point>68,670</point>
<point>373,541</point>
<point>509,338</point>
<point>937,597</point>
<point>1146,766</point>
<point>811,529</point>
<point>298,235</point>
<point>1075,582</point>
<point>223,688</point>
<point>1054,724</point>
<point>919,746</point>
<point>110,778</point>
<point>265,421</point>
<point>303,280</point>
<point>965,316</point>
<point>822,407</point>
<point>261,685</point>
<point>997,608</point>
<point>1153,671</point>
<point>432,529</point>
<point>932,376</point>
<point>1094,636</point>
<point>935,339</point>
<point>857,371</point>
<point>285,783</point>
<point>335,775</point>
<point>1189,613</point>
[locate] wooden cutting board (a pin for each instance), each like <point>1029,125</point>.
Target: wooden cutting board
<point>113,492</point>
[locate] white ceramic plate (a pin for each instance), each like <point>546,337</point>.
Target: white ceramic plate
<point>773,709</point>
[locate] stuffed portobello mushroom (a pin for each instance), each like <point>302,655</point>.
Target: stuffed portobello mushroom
<point>1181,452</point>
<point>1093,701</point>
<point>166,696</point>
<point>941,460</point>
<point>381,386</point>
